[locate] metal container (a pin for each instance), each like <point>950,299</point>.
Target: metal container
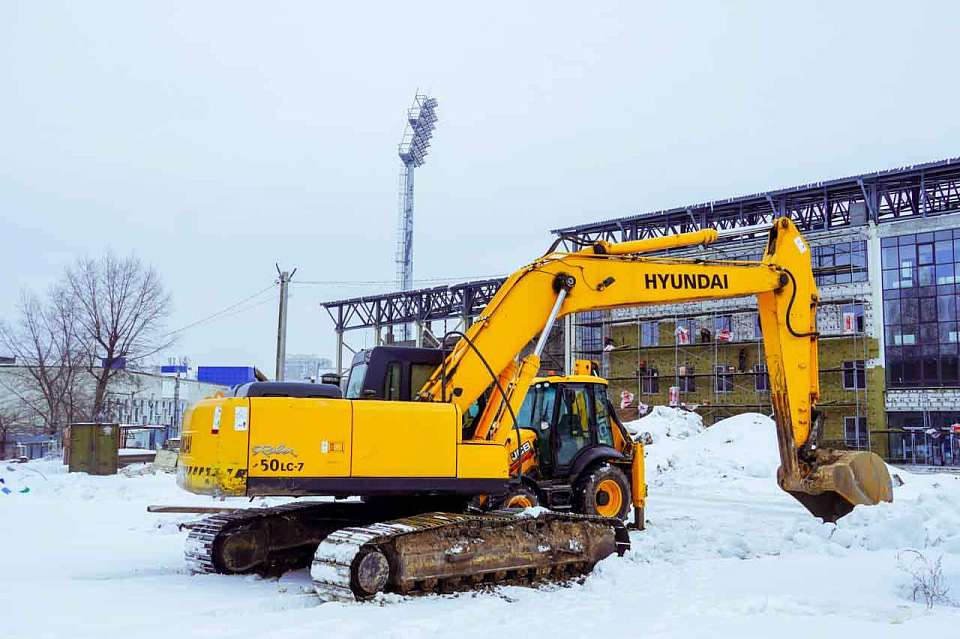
<point>93,448</point>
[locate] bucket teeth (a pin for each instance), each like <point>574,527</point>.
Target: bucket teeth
<point>839,480</point>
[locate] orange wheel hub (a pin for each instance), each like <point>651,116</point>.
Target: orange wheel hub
<point>609,498</point>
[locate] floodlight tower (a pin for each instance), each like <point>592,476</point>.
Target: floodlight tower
<point>421,119</point>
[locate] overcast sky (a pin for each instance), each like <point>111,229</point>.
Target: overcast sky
<point>214,139</point>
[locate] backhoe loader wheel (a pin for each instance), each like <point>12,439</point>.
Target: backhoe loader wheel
<point>603,491</point>
<point>519,498</point>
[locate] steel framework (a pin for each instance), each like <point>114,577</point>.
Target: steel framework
<point>917,191</point>
<point>457,301</point>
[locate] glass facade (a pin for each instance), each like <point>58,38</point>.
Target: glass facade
<point>920,309</point>
<point>924,438</point>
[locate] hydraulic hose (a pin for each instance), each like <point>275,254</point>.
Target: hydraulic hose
<point>496,380</point>
<point>793,295</point>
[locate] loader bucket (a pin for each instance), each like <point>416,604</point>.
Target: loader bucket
<point>839,480</point>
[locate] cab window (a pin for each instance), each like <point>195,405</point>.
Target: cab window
<point>573,423</point>
<point>604,428</point>
<point>391,382</point>
<point>419,374</point>
<point>536,412</point>
<point>355,381</point>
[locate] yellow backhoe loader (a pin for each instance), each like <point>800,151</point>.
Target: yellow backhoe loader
<point>443,446</point>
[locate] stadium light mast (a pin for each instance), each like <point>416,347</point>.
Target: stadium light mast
<point>421,119</point>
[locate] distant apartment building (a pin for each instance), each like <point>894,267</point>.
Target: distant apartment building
<point>156,400</point>
<point>133,397</point>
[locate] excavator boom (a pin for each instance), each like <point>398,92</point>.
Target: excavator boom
<point>606,276</point>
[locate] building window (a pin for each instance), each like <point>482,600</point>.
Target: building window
<point>840,263</point>
<point>854,375</point>
<point>723,328</point>
<point>724,379</point>
<point>649,333</point>
<point>686,332</point>
<point>686,380</point>
<point>757,331</point>
<point>761,377</point>
<point>921,308</point>
<point>649,381</point>
<point>852,318</point>
<point>589,332</point>
<point>855,432</point>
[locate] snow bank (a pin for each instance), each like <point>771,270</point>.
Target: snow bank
<point>923,516</point>
<point>742,450</point>
<point>740,446</point>
<point>662,422</point>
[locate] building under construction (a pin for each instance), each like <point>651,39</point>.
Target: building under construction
<point>886,255</point>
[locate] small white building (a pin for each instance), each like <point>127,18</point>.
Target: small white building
<point>306,368</point>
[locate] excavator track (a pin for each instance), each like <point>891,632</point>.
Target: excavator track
<point>264,540</point>
<point>449,552</point>
<point>271,541</point>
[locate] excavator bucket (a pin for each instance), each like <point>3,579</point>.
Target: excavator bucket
<point>839,480</point>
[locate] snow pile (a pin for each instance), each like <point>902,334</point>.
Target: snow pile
<point>663,422</point>
<point>741,453</point>
<point>923,515</point>
<point>740,446</point>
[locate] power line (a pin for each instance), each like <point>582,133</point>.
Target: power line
<point>248,308</point>
<point>371,282</point>
<point>226,309</point>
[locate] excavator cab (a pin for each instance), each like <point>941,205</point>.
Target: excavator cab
<point>390,372</point>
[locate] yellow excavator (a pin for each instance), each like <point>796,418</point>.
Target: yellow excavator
<point>448,451</point>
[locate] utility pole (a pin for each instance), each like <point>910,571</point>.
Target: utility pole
<point>182,362</point>
<point>285,277</point>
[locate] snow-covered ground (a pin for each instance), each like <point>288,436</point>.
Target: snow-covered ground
<point>725,554</point>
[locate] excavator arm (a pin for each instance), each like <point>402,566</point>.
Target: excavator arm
<point>606,276</point>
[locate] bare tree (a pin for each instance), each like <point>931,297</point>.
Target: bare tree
<point>11,421</point>
<point>121,307</point>
<point>47,380</point>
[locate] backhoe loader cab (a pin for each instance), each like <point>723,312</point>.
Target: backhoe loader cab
<point>582,453</point>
